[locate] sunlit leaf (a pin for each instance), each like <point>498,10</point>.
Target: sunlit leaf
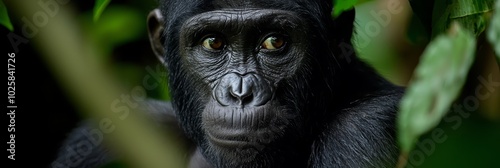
<point>99,7</point>
<point>466,12</point>
<point>340,6</point>
<point>4,17</point>
<point>494,31</point>
<point>436,83</point>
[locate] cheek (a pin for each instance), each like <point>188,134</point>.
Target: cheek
<point>284,65</point>
<point>200,66</point>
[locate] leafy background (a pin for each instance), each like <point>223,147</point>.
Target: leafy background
<point>438,49</point>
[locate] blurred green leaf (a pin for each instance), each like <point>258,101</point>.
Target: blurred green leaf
<point>99,7</point>
<point>4,17</point>
<point>119,25</point>
<point>494,31</point>
<point>436,83</point>
<point>468,13</point>
<point>340,6</point>
<point>91,86</point>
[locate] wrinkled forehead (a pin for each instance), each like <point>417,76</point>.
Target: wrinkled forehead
<point>235,22</point>
<point>263,16</point>
<point>233,14</point>
<point>261,4</point>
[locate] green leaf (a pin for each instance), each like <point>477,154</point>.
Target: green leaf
<point>463,8</point>
<point>120,24</point>
<point>436,83</point>
<point>340,6</point>
<point>4,17</point>
<point>494,31</point>
<point>99,7</point>
<point>468,13</point>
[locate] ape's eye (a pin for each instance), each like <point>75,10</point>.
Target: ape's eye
<point>213,43</point>
<point>273,43</point>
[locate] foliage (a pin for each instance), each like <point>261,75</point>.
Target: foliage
<point>4,17</point>
<point>117,26</point>
<point>344,5</point>
<point>470,14</point>
<point>91,85</point>
<point>452,27</point>
<point>494,31</point>
<point>99,7</point>
<point>441,74</point>
<point>436,83</point>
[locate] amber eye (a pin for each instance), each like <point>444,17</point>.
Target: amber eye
<point>273,43</point>
<point>213,43</point>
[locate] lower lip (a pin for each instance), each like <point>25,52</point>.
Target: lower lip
<point>226,142</point>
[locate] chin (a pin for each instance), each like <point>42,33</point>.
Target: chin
<point>244,133</point>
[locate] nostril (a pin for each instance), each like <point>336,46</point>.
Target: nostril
<point>236,90</point>
<point>241,92</point>
<point>246,100</point>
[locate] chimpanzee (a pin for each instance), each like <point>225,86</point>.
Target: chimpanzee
<point>271,84</point>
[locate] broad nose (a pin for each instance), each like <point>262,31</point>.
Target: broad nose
<point>242,90</point>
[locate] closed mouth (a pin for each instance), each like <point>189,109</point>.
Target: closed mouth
<point>230,140</point>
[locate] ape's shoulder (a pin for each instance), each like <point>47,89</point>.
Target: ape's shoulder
<point>361,134</point>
